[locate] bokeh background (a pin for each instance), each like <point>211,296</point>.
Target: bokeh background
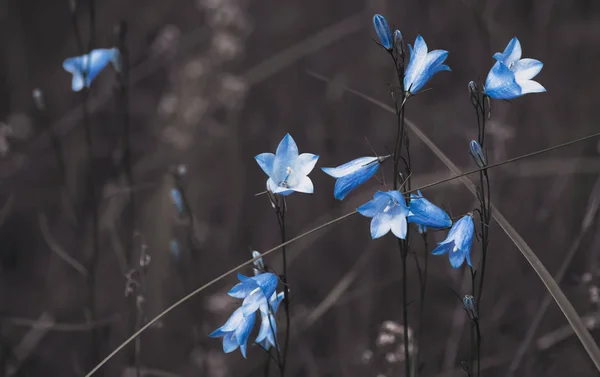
<point>212,83</point>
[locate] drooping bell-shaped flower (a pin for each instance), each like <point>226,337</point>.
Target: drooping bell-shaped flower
<point>511,76</point>
<point>388,211</point>
<point>426,214</point>
<point>255,291</point>
<point>268,327</point>
<point>288,171</point>
<point>458,242</point>
<point>423,65</point>
<point>353,174</point>
<point>85,68</point>
<point>236,331</point>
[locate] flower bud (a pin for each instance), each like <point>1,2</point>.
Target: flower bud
<point>477,154</point>
<point>383,31</point>
<point>469,306</point>
<point>473,93</point>
<point>259,266</point>
<point>398,42</point>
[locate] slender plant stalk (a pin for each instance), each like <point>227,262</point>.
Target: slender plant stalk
<point>280,209</point>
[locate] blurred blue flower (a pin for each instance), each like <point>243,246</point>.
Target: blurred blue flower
<point>175,250</point>
<point>383,31</point>
<point>235,331</point>
<point>458,242</point>
<point>353,174</point>
<point>255,291</point>
<point>288,171</point>
<point>95,62</point>
<point>426,214</point>
<point>423,65</point>
<point>477,154</point>
<point>389,211</point>
<point>178,200</point>
<point>511,76</point>
<point>268,326</point>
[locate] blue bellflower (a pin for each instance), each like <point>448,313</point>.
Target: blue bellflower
<point>511,76</point>
<point>268,326</point>
<point>353,174</point>
<point>458,242</point>
<point>95,61</point>
<point>389,211</point>
<point>383,31</point>
<point>235,331</point>
<point>255,291</point>
<point>423,65</point>
<point>288,171</point>
<point>426,214</point>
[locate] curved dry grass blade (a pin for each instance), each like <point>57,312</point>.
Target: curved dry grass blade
<point>561,300</point>
<point>57,249</point>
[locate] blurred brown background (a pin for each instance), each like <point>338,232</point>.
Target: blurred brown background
<point>215,82</point>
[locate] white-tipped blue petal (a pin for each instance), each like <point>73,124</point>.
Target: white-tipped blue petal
<point>344,185</point>
<point>399,226</point>
<point>304,184</point>
<point>501,83</point>
<point>306,163</point>
<point>233,322</point>
<point>266,161</point>
<point>374,206</point>
<point>381,225</point>
<point>512,53</point>
<point>530,86</point>
<point>526,69</point>
<point>267,332</point>
<point>423,65</point>
<point>242,332</point>
<point>254,301</point>
<point>350,167</point>
<point>242,290</point>
<point>275,300</point>
<point>443,248</point>
<point>383,31</point>
<point>285,159</point>
<point>465,237</point>
<point>230,344</point>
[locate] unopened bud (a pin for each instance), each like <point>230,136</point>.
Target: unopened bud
<point>477,154</point>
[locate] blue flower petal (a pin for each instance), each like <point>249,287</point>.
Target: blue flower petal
<point>425,213</point>
<point>381,225</point>
<point>306,163</point>
<point>344,185</point>
<point>512,53</point>
<point>350,167</point>
<point>423,65</point>
<point>443,248</point>
<point>90,65</point>
<point>266,161</point>
<point>457,258</point>
<point>526,69</point>
<point>501,83</point>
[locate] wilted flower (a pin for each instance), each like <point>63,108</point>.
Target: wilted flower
<point>423,65</point>
<point>477,154</point>
<point>235,331</point>
<point>458,242</point>
<point>426,214</point>
<point>389,211</point>
<point>268,326</point>
<point>288,171</point>
<point>383,31</point>
<point>90,65</point>
<point>511,76</point>
<point>255,290</point>
<point>353,174</point>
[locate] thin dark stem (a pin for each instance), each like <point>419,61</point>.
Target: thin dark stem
<point>478,337</point>
<point>423,286</point>
<point>280,210</point>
